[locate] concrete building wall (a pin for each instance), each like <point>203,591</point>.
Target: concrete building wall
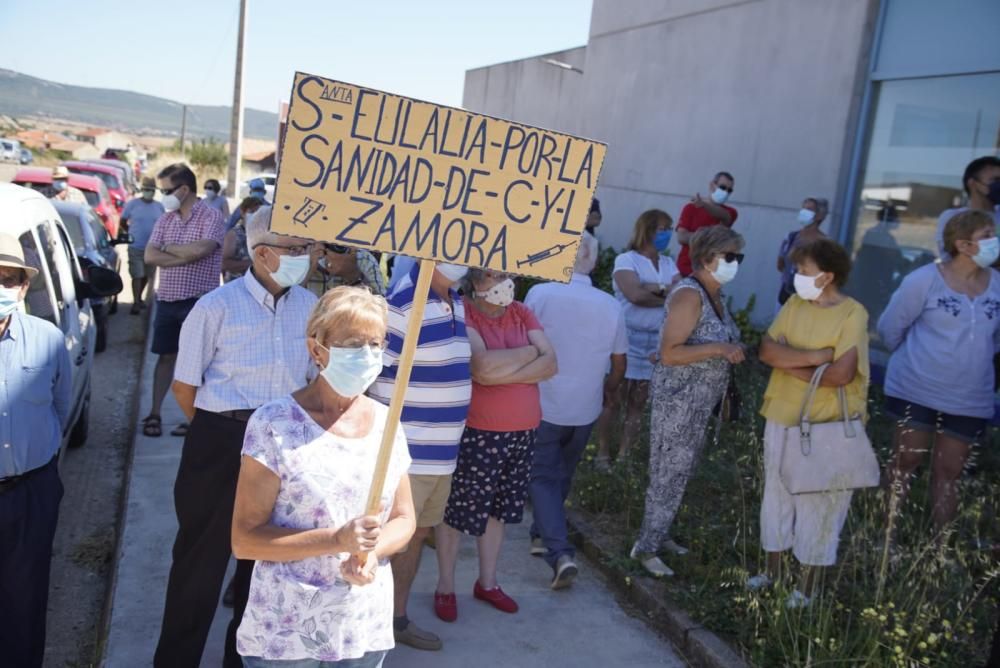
<point>679,89</point>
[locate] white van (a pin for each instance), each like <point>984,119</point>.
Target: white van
<point>60,293</point>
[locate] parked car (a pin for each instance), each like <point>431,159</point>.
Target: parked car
<point>110,175</point>
<point>61,292</point>
<point>10,150</point>
<point>269,181</point>
<point>128,177</point>
<point>40,179</point>
<point>93,247</point>
<point>27,157</point>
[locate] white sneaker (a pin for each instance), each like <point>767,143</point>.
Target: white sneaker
<point>566,570</point>
<point>758,582</point>
<point>538,547</point>
<point>674,548</point>
<point>652,563</point>
<point>797,600</point>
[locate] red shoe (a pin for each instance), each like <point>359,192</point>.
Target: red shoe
<point>495,597</point>
<point>445,607</point>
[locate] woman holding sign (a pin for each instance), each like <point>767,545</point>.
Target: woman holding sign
<point>322,588</point>
<point>510,356</point>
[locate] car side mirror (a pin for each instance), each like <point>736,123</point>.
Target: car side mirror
<point>101,282</point>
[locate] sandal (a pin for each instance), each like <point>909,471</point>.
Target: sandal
<point>180,430</point>
<point>152,426</point>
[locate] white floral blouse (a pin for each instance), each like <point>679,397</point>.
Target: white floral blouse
<point>305,609</point>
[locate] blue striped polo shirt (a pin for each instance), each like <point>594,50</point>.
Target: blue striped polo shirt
<point>437,399</point>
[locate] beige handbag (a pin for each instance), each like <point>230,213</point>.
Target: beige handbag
<point>828,456</point>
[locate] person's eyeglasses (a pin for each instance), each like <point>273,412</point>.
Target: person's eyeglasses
<point>728,189</point>
<point>294,251</point>
<point>733,257</point>
<point>12,280</point>
<point>357,343</point>
<point>337,248</point>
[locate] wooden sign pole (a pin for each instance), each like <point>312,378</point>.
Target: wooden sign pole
<point>403,368</point>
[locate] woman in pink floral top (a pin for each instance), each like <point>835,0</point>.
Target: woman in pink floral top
<point>308,461</point>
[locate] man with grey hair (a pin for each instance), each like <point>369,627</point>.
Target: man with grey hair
<point>810,217</point>
<point>241,346</point>
<point>587,329</point>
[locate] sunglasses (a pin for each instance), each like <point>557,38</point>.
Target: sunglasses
<point>169,191</point>
<point>337,249</point>
<point>728,189</point>
<point>733,257</point>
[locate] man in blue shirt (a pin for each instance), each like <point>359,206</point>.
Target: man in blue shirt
<point>139,218</point>
<point>35,389</point>
<point>258,190</point>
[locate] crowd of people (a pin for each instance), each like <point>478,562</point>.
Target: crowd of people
<point>285,371</point>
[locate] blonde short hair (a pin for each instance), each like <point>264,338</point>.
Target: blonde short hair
<point>710,241</point>
<point>346,309</point>
<point>961,227</point>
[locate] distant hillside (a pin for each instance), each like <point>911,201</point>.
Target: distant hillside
<point>23,95</point>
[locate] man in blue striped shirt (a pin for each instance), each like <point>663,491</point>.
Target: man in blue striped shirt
<point>35,388</point>
<point>433,418</point>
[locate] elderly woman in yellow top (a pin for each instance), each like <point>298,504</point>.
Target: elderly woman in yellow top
<point>321,592</point>
<point>816,326</point>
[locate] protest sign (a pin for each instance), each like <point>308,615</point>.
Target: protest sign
<point>382,172</point>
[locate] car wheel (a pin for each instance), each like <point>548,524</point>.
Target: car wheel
<point>78,436</point>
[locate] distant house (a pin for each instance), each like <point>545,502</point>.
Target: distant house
<point>77,149</point>
<point>104,139</point>
<point>51,141</point>
<point>260,162</point>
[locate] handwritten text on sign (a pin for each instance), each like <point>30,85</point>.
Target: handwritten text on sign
<point>372,170</point>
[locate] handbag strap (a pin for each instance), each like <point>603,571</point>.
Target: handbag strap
<point>805,424</point>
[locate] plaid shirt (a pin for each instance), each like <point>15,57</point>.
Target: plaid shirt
<point>197,278</point>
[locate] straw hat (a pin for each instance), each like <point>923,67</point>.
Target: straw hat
<point>60,172</point>
<point>148,183</point>
<point>11,255</point>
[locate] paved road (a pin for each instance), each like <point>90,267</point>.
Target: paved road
<point>583,626</point>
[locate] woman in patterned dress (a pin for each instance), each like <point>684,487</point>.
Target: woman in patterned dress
<point>699,343</point>
<point>321,592</point>
<point>942,326</point>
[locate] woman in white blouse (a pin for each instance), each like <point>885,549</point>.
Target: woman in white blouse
<point>321,592</point>
<point>643,276</point>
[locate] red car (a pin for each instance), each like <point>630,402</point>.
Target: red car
<point>111,176</point>
<point>40,178</point>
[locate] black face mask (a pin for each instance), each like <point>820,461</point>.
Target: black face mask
<point>994,192</point>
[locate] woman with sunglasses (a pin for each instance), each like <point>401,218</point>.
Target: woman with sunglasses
<point>699,344</point>
<point>343,265</point>
<point>818,325</point>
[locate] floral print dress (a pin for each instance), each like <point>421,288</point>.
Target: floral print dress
<point>304,609</point>
<point>683,399</point>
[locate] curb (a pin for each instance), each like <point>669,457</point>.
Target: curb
<point>698,645</point>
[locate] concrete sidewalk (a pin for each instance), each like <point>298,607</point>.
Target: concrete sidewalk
<point>583,626</point>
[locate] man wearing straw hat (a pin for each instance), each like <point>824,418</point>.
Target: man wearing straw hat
<point>35,389</point>
<point>62,190</point>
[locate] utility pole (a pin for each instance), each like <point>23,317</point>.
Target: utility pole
<point>184,122</point>
<point>236,125</point>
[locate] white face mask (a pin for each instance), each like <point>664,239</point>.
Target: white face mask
<point>501,294</point>
<point>725,271</point>
<point>170,202</point>
<point>209,195</point>
<point>719,196</point>
<point>10,298</point>
<point>806,216</point>
<point>805,287</point>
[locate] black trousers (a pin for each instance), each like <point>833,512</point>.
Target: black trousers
<point>204,494</point>
<point>28,515</point>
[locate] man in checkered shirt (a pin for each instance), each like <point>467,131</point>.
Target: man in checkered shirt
<point>186,245</point>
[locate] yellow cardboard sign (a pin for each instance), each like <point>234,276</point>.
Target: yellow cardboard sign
<point>372,170</point>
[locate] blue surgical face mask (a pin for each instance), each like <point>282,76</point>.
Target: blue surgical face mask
<point>291,270</point>
<point>351,370</point>
<point>806,217</point>
<point>662,240</point>
<point>9,300</point>
<point>989,251</point>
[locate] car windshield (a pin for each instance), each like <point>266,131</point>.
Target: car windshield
<point>110,180</point>
<point>93,199</point>
<point>72,222</point>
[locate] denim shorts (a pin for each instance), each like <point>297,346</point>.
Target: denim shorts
<point>167,325</point>
<point>921,418</point>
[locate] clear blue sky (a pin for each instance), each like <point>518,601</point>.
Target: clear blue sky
<point>185,50</point>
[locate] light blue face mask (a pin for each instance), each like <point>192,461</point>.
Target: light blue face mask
<point>720,196</point>
<point>806,217</point>
<point>292,270</point>
<point>351,370</point>
<point>989,251</point>
<point>9,300</point>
